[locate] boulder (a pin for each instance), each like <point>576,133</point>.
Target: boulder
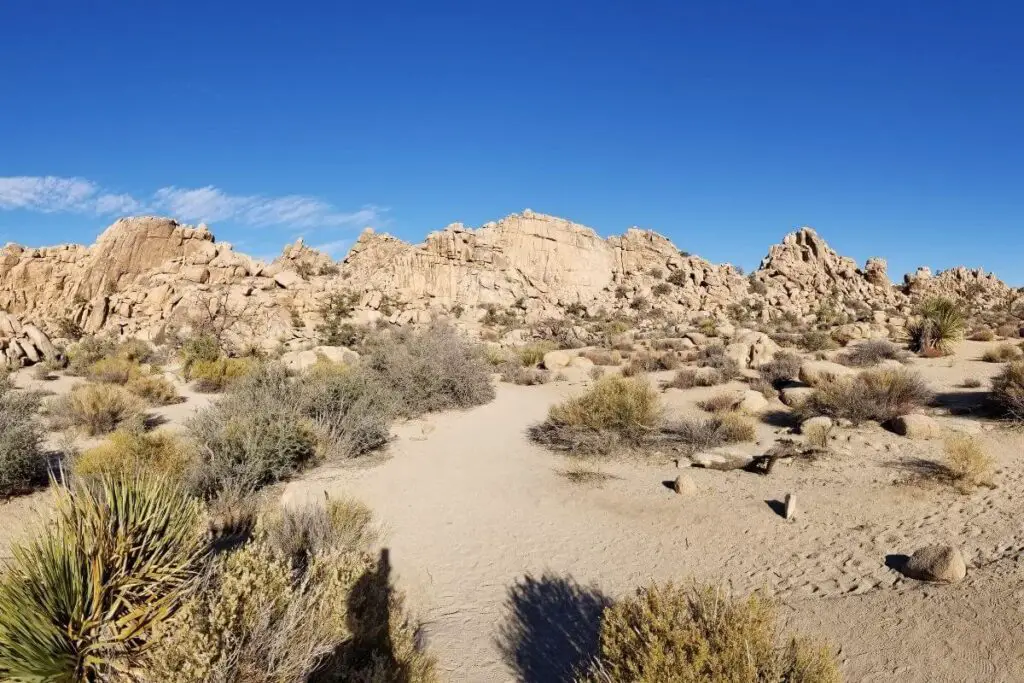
<point>41,341</point>
<point>722,458</point>
<point>753,402</point>
<point>815,372</point>
<point>684,485</point>
<point>581,362</point>
<point>793,396</point>
<point>821,423</point>
<point>288,279</point>
<point>916,426</point>
<point>556,360</point>
<point>939,563</point>
<point>337,354</point>
<point>299,360</point>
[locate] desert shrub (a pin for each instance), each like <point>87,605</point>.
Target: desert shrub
<point>95,408</point>
<point>720,403</point>
<point>42,373</point>
<point>818,435</point>
<point>872,352</point>
<point>532,354</point>
<point>218,374</point>
<point>678,278</point>
<point>136,351</point>
<point>336,309</point>
<point>817,340</point>
<point>596,372</point>
<point>715,356</point>
<point>880,395</point>
<point>982,334</point>
<point>350,413</point>
<point>661,289</point>
<point>514,373</point>
<point>687,378</point>
<point>699,633</point>
<point>128,451</point>
<point>615,412</point>
<point>971,383</point>
<point>112,370</point>
<point>1002,354</point>
<point>1008,390</point>
<point>429,370</point>
<point>87,351</point>
<point>23,463</point>
<point>259,618</point>
<point>698,434</point>
<point>763,387</point>
<point>1009,330</point>
<point>198,348</point>
<point>967,463</point>
<point>81,599</point>
<point>938,326</point>
<point>154,389</point>
<point>255,435</point>
<point>68,328</point>
<point>708,327</point>
<point>302,533</point>
<point>783,367</point>
<point>605,357</point>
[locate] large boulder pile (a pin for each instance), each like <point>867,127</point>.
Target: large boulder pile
<point>23,344</point>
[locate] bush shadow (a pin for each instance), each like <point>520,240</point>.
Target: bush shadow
<point>551,629</point>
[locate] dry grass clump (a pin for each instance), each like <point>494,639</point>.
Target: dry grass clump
<point>700,633</point>
<point>872,352</point>
<point>307,531</point>
<point>1008,390</point>
<point>514,373</point>
<point>982,334</point>
<point>687,378</point>
<point>128,451</point>
<point>1003,353</point>
<point>211,376</point>
<point>532,354</point>
<point>603,357</point>
<point>971,383</point>
<point>42,373</point>
<point>583,475</point>
<point>783,367</point>
<point>880,395</point>
<point>938,326</point>
<point>139,380</point>
<point>817,340</point>
<point>720,403</point>
<point>967,463</point>
<point>818,435</point>
<point>95,408</point>
<point>1010,330</point>
<point>697,435</point>
<point>715,356</point>
<point>614,413</point>
<point>23,462</point>
<point>651,362</point>
<point>154,389</point>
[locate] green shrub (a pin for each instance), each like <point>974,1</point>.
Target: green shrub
<point>939,325</point>
<point>154,389</point>
<point>1008,390</point>
<point>23,463</point>
<point>126,452</point>
<point>87,351</point>
<point>661,289</point>
<point>95,408</point>
<point>699,633</point>
<point>687,378</point>
<point>201,347</point>
<point>112,370</point>
<point>817,340</point>
<point>880,395</point>
<point>80,600</point>
<point>783,367</point>
<point>872,352</point>
<point>218,374</point>
<point>336,309</point>
<point>532,354</point>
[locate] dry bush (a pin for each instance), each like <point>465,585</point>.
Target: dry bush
<point>983,334</point>
<point>87,351</point>
<point>305,532</point>
<point>216,375</point>
<point>154,389</point>
<point>128,451</point>
<point>533,354</point>
<point>95,408</point>
<point>614,413</point>
<point>818,435</point>
<point>23,462</point>
<point>112,370</point>
<point>516,374</point>
<point>1008,390</point>
<point>720,403</point>
<point>697,435</point>
<point>596,372</point>
<point>971,383</point>
<point>1003,353</point>
<point>817,340</point>
<point>687,378</point>
<point>880,395</point>
<point>605,357</point>
<point>763,387</point>
<point>783,367</point>
<point>938,326</point>
<point>715,356</point>
<point>1009,330</point>
<point>700,633</point>
<point>429,370</point>
<point>41,372</point>
<point>872,352</point>
<point>967,463</point>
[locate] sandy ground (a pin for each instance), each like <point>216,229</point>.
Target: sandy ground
<point>508,563</point>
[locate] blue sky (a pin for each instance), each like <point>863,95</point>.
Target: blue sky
<point>894,128</point>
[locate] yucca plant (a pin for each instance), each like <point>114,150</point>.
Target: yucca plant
<point>937,327</point>
<point>77,603</point>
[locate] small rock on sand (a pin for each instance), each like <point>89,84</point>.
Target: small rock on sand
<point>790,510</point>
<point>915,426</point>
<point>939,563</point>
<point>684,485</point>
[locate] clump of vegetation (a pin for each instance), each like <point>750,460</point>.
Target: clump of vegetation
<point>614,413</point>
<point>720,403</point>
<point>967,464</point>
<point>971,383</point>
<point>201,348</point>
<point>82,599</point>
<point>1008,390</point>
<point>817,340</point>
<point>336,310</point>
<point>938,326</point>
<point>1010,330</point>
<point>661,289</point>
<point>603,357</point>
<point>783,367</point>
<point>305,532</point>
<point>982,334</point>
<point>699,633</point>
<point>216,375</point>
<point>818,435</point>
<point>128,451</point>
<point>872,352</point>
<point>650,362</point>
<point>696,435</point>
<point>95,408</point>
<point>524,376</point>
<point>880,395</point>
<point>715,356</point>
<point>533,354</point>
<point>87,351</point>
<point>687,378</point>
<point>1003,353</point>
<point>23,463</point>
<point>154,389</point>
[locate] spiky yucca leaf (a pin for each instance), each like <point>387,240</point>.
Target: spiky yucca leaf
<point>939,325</point>
<point>77,602</point>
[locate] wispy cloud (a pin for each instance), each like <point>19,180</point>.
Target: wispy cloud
<point>51,194</point>
<point>335,248</point>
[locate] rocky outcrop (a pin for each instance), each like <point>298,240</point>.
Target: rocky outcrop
<point>979,289</point>
<point>23,343</point>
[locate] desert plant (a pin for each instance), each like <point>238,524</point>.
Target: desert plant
<point>783,367</point>
<point>514,373</point>
<point>818,435</point>
<point>42,373</point>
<point>1008,390</point>
<point>154,389</point>
<point>880,395</point>
<point>971,383</point>
<point>694,435</point>
<point>661,289</point>
<point>982,334</point>
<point>939,324</point>
<point>872,352</point>
<point>817,340</point>
<point>687,378</point>
<point>1002,354</point>
<point>715,356</point>
<point>128,451</point>
<point>720,403</point>
<point>198,348</point>
<point>605,357</point>
<point>967,463</point>
<point>700,633</point>
<point>23,463</point>
<point>316,529</point>
<point>81,599</point>
<point>1010,330</point>
<point>112,370</point>
<point>532,354</point>
<point>218,374</point>
<point>68,328</point>
<point>95,408</point>
<point>87,351</point>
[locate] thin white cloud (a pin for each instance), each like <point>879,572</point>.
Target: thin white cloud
<point>51,194</point>
<point>336,249</point>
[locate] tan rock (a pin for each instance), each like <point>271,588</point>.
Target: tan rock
<point>916,426</point>
<point>816,372</point>
<point>939,563</point>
